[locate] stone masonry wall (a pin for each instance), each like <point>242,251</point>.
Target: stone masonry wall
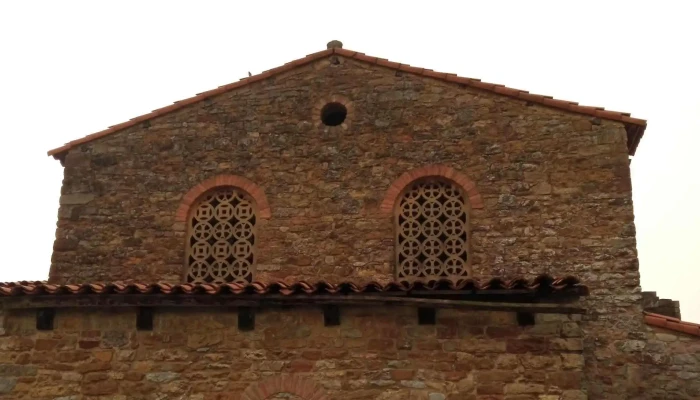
<point>670,368</point>
<point>555,187</point>
<point>652,303</point>
<point>375,354</point>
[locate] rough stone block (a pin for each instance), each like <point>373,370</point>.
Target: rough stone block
<point>77,198</point>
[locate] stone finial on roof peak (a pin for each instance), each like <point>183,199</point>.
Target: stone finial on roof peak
<point>335,44</point>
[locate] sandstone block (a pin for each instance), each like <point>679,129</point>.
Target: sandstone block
<point>161,377</point>
<point>65,244</point>
<point>7,384</point>
<point>77,198</point>
<point>524,388</point>
<point>99,388</point>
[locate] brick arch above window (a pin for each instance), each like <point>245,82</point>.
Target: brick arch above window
<point>297,385</point>
<point>240,182</point>
<point>434,170</point>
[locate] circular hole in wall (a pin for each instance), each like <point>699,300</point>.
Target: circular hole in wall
<point>333,114</point>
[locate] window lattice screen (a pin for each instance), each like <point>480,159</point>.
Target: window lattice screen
<point>221,238</point>
<point>431,232</point>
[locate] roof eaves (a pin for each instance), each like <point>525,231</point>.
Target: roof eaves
<point>674,324</point>
<point>541,283</point>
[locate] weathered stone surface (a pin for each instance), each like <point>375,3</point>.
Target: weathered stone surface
<point>671,369</point>
<point>77,198</point>
<point>65,244</point>
<point>520,388</point>
<point>7,384</point>
<point>100,388</point>
<point>161,377</point>
<point>651,303</point>
<point>17,370</point>
<point>286,342</point>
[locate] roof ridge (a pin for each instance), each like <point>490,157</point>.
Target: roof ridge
<point>634,126</point>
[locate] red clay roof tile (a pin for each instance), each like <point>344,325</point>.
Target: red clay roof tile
<point>541,283</point>
<point>434,74</point>
<point>674,324</point>
<point>413,70</point>
<point>386,63</point>
<point>635,127</point>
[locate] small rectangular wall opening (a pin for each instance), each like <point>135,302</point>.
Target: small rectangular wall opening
<point>246,319</point>
<point>331,315</point>
<point>45,318</point>
<point>426,316</point>
<point>525,318</point>
<point>144,319</point>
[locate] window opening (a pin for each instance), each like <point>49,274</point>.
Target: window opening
<point>431,232</point>
<point>221,238</point>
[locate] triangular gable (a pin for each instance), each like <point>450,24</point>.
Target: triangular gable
<point>634,126</point>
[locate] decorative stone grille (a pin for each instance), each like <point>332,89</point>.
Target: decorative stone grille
<point>432,232</point>
<point>221,237</point>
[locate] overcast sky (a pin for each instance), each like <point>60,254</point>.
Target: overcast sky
<point>71,68</point>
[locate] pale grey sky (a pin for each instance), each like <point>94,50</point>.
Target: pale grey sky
<point>71,68</point>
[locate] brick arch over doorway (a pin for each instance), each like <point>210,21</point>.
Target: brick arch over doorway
<point>469,187</point>
<point>240,182</point>
<point>300,386</point>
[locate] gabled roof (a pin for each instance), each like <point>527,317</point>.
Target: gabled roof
<point>634,126</point>
<point>674,324</point>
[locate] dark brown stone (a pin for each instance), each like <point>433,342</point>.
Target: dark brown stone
<point>65,244</point>
<point>99,388</point>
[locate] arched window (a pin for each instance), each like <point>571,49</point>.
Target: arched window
<point>432,237</point>
<point>221,237</point>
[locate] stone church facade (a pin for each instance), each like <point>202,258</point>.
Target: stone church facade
<point>347,227</point>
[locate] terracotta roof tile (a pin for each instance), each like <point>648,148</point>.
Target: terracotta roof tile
<point>413,70</point>
<point>365,58</point>
<point>386,63</point>
<point>433,74</point>
<point>541,283</point>
<point>674,324</point>
<point>635,127</point>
